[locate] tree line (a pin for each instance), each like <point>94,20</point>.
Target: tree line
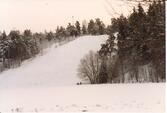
<point>134,51</point>
<point>17,47</point>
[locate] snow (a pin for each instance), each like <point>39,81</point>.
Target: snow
<point>134,98</point>
<point>48,84</point>
<point>57,67</point>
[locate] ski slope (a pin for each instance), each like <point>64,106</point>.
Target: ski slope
<point>57,67</point>
<point>48,84</point>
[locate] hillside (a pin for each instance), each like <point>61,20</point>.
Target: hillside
<point>48,84</point>
<point>58,66</point>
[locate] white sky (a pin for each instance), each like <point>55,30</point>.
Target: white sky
<point>40,15</point>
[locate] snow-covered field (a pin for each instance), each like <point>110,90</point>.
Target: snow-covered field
<point>134,98</point>
<point>48,84</point>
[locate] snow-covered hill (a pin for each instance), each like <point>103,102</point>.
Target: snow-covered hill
<point>58,66</point>
<point>48,84</point>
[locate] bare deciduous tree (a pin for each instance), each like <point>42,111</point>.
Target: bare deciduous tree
<point>89,67</point>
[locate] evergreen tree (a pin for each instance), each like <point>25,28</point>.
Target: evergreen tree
<point>84,30</point>
<point>156,41</point>
<point>99,26</point>
<point>31,45</point>
<point>141,41</point>
<point>4,36</point>
<point>27,33</point>
<point>78,28</point>
<point>108,67</point>
<point>50,36</point>
<point>71,30</point>
<point>103,75</point>
<point>61,32</point>
<point>91,27</point>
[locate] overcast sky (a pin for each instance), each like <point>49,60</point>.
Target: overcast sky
<point>40,15</point>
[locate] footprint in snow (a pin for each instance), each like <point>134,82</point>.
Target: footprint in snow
<point>74,105</point>
<point>57,105</point>
<point>97,105</point>
<point>84,110</point>
<point>158,102</point>
<point>85,106</point>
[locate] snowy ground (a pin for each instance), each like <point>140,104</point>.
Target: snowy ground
<point>134,98</point>
<point>48,84</point>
